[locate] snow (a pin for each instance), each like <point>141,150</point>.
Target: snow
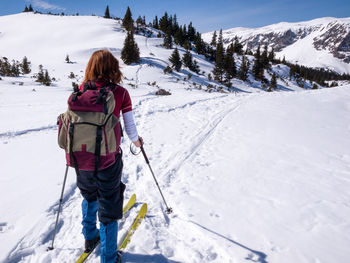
<point>251,176</point>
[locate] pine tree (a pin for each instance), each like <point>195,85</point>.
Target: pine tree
<point>179,38</point>
<point>237,47</point>
<point>187,59</point>
<point>258,69</point>
<point>176,60</point>
<point>272,55</point>
<point>47,80</point>
<point>229,65</point>
<point>191,32</point>
<point>213,40</point>
<point>128,22</point>
<point>107,12</point>
<point>164,22</point>
<point>273,83</point>
<point>155,23</point>
<point>15,69</point>
<point>26,9</point>
<point>168,40</point>
<point>264,58</point>
<point>219,70</point>
<point>40,76</point>
<point>243,70</point>
<point>130,52</point>
<point>199,44</point>
<point>30,9</point>
<point>25,66</point>
<point>139,21</point>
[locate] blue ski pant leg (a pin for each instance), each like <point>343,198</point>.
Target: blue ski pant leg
<point>88,188</point>
<point>89,210</point>
<point>109,235</point>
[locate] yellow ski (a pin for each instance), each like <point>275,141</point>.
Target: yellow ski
<point>126,208</point>
<point>133,227</point>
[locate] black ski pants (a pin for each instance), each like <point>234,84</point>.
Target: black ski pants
<point>105,187</point>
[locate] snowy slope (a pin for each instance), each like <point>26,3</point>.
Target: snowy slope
<point>323,42</point>
<point>251,177</point>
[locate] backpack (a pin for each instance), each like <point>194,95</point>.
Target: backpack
<point>87,129</point>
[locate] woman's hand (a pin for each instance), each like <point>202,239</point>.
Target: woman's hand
<point>139,142</point>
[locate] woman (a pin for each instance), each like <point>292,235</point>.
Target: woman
<point>103,191</point>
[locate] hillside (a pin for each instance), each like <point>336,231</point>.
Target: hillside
<point>322,43</point>
<point>250,175</point>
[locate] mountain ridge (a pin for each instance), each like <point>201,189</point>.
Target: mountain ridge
<point>320,43</point>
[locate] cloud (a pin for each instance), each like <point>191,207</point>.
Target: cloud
<point>45,5</point>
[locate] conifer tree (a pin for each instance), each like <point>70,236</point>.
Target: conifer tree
<point>15,69</point>
<point>47,80</point>
<point>30,9</point>
<point>219,70</point>
<point>273,83</point>
<point>264,58</point>
<point>176,60</point>
<point>139,21</point>
<point>155,23</point>
<point>164,22</point>
<point>40,76</point>
<point>168,40</point>
<point>179,38</point>
<point>130,52</point>
<point>237,47</point>
<point>187,59</point>
<point>229,65</point>
<point>26,9</point>
<point>272,55</point>
<point>199,44</point>
<point>128,22</point>
<point>213,40</point>
<point>25,66</point>
<point>258,69</point>
<point>107,12</point>
<point>189,62</point>
<point>191,32</point>
<point>243,70</point>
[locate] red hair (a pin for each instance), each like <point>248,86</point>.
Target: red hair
<point>103,65</point>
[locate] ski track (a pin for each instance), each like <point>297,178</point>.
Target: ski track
<point>171,168</point>
<point>13,134</point>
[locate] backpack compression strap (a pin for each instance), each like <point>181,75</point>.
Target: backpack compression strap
<point>98,148</point>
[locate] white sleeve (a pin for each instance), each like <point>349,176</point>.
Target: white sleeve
<point>130,126</point>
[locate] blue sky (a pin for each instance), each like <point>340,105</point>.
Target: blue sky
<point>206,15</point>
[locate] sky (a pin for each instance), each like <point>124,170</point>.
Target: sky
<point>206,15</point>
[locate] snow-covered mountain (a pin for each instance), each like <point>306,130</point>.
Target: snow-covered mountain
<point>323,42</point>
<point>251,176</point>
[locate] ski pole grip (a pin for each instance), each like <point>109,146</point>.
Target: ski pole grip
<point>144,154</point>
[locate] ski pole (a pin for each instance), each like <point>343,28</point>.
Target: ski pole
<point>59,208</point>
<point>168,210</point>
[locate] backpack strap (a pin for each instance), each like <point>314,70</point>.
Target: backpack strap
<point>76,93</point>
<point>89,85</point>
<point>98,148</point>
